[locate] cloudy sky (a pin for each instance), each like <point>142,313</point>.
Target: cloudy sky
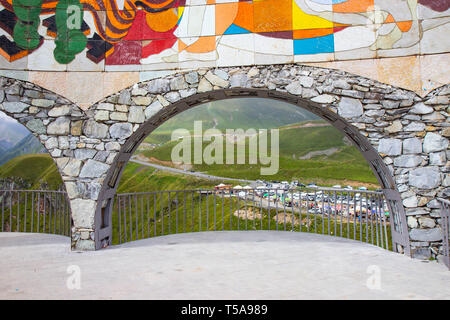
<point>4,117</point>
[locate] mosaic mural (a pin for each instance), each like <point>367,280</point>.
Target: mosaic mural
<point>136,35</point>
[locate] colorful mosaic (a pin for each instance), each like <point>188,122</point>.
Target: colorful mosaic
<point>136,35</point>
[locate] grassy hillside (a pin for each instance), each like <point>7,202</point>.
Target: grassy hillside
<point>233,114</point>
<point>344,166</point>
<point>195,212</point>
<point>35,169</point>
<point>138,178</point>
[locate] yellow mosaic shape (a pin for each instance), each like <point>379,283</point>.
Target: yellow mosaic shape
<point>302,20</point>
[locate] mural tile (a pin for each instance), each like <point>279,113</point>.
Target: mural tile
<point>11,56</point>
<point>356,37</point>
<point>428,9</point>
<point>43,59</point>
<point>436,40</point>
<point>125,53</point>
<point>319,57</point>
<point>197,21</point>
<point>273,46</point>
<point>165,53</point>
<point>398,9</point>
<point>352,5</point>
<point>349,12</point>
<point>315,45</point>
<point>272,15</point>
<point>192,65</point>
<point>308,16</point>
<point>433,71</point>
<point>268,59</point>
<point>200,33</point>
<point>238,49</point>
<point>245,16</point>
<point>80,63</point>
<point>225,14</point>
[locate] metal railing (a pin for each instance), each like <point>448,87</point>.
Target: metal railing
<point>445,223</point>
<point>357,215</point>
<point>39,211</point>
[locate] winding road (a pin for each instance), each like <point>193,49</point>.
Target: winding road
<point>190,173</point>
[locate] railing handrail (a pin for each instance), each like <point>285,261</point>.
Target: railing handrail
<point>38,211</point>
<point>31,190</point>
<point>255,189</point>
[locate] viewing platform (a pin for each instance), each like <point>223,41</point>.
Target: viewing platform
<point>216,265</point>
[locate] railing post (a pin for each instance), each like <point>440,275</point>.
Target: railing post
<point>445,221</point>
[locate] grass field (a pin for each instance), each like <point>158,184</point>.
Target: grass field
<point>346,166</point>
<point>35,169</point>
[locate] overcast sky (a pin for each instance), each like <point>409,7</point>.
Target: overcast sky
<point>4,117</point>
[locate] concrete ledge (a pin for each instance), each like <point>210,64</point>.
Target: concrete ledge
<point>216,265</point>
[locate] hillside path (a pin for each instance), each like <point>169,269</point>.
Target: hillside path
<point>186,172</point>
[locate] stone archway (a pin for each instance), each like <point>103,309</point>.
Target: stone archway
<point>381,171</point>
<point>409,134</point>
<point>395,122</point>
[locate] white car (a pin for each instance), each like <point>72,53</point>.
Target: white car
<point>242,194</point>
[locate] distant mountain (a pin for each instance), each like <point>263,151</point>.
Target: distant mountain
<point>240,113</point>
<point>29,144</point>
<point>16,140</point>
<point>5,145</point>
<point>11,132</point>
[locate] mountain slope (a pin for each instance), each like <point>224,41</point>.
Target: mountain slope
<point>239,113</point>
<point>34,169</point>
<point>344,164</point>
<point>28,145</point>
<point>11,131</point>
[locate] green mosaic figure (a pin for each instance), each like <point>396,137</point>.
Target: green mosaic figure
<point>70,40</point>
<point>27,12</point>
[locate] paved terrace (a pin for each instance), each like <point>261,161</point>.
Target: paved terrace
<point>215,265</point>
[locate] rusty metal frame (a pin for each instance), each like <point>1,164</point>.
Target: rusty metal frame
<point>103,215</point>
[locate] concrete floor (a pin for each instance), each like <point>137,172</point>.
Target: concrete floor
<point>216,265</point>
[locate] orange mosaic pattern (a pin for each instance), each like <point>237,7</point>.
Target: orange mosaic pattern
<point>170,33</point>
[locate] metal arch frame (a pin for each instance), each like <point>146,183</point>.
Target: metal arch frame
<point>103,215</point>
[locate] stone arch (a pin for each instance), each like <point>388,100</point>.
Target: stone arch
<point>51,118</point>
<point>403,136</point>
<point>402,127</point>
<point>380,170</point>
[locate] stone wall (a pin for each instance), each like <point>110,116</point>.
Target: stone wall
<point>410,133</point>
